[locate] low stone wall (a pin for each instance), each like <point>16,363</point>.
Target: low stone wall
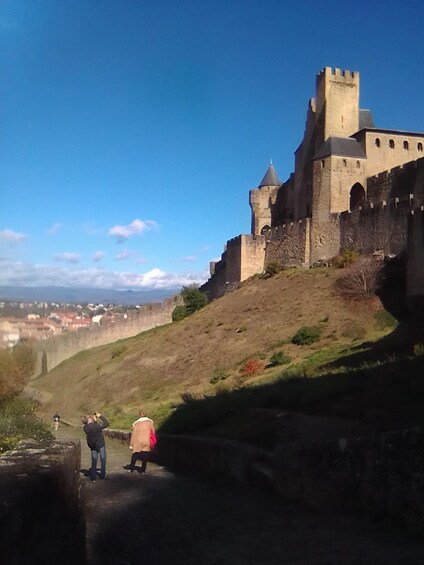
<point>382,476</point>
<point>41,507</point>
<point>210,456</point>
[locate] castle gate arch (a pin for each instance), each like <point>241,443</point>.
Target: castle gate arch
<point>357,196</point>
<point>265,230</point>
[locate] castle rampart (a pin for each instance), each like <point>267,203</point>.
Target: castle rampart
<point>53,351</point>
<point>288,244</point>
<point>415,263</point>
<point>376,228</point>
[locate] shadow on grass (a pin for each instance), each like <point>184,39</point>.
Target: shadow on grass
<point>381,387</point>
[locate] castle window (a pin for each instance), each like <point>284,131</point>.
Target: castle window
<point>391,144</point>
<point>405,145</point>
<point>377,142</point>
<point>344,163</point>
<point>420,147</point>
<point>322,164</point>
<point>358,165</point>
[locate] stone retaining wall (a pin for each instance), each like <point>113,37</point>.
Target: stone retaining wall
<point>41,507</point>
<point>381,476</point>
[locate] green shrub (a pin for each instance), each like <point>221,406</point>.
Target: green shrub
<point>419,349</point>
<point>385,320</point>
<point>272,268</point>
<point>218,376</point>
<point>18,421</point>
<point>345,259</point>
<point>179,313</point>
<point>117,351</point>
<point>279,358</point>
<point>307,335</point>
<point>193,298</point>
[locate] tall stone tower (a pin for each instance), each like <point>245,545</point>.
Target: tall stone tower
<point>262,199</point>
<point>337,104</point>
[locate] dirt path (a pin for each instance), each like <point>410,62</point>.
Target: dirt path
<point>162,517</point>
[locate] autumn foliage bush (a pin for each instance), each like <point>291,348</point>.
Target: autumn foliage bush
<point>16,368</point>
<point>251,367</point>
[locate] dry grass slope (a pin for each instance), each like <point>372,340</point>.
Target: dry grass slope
<point>155,368</point>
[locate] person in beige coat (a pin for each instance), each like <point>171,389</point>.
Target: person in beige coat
<point>140,441</point>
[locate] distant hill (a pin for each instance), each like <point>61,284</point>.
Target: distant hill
<point>72,295</point>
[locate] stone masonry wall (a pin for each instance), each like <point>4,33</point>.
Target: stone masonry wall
<point>415,263</point>
<point>381,476</point>
<point>41,507</point>
<point>382,227</point>
<point>53,351</point>
<point>288,244</point>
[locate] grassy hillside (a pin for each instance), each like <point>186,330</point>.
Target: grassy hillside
<point>206,354</point>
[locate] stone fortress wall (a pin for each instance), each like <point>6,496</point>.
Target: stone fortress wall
<point>53,351</point>
<point>354,187</point>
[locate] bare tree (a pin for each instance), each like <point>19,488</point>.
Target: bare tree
<point>360,281</point>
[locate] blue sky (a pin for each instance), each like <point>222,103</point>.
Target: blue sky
<point>132,131</point>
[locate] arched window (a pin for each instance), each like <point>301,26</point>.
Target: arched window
<point>358,165</point>
<point>265,230</point>
<point>377,142</point>
<point>322,164</point>
<point>357,196</point>
<point>344,163</point>
<point>420,147</point>
<point>391,144</point>
<point>405,145</point>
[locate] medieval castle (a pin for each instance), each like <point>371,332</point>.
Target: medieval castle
<point>354,187</point>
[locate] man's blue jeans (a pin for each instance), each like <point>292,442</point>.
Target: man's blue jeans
<point>94,455</point>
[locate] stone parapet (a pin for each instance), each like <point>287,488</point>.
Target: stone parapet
<point>41,507</point>
<point>381,476</point>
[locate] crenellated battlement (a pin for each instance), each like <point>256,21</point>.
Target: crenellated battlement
<point>345,75</point>
<point>295,227</point>
<point>395,171</point>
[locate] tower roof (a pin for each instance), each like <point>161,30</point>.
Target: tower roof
<point>270,177</point>
<point>341,146</point>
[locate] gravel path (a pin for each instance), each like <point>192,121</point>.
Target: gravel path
<point>166,518</point>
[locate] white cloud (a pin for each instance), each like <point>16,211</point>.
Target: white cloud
<point>122,233</point>
<point>98,256</point>
<point>54,229</point>
<point>22,274</point>
<point>67,256</point>
<point>12,237</point>
<point>123,255</point>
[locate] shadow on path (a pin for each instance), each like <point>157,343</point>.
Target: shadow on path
<point>166,518</point>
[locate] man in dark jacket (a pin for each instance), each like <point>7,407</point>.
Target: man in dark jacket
<point>96,442</point>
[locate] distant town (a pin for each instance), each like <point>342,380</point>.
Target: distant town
<point>23,322</point>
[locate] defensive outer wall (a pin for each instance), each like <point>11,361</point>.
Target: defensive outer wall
<point>51,352</point>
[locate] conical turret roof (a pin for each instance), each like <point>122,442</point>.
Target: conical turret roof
<point>270,178</point>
